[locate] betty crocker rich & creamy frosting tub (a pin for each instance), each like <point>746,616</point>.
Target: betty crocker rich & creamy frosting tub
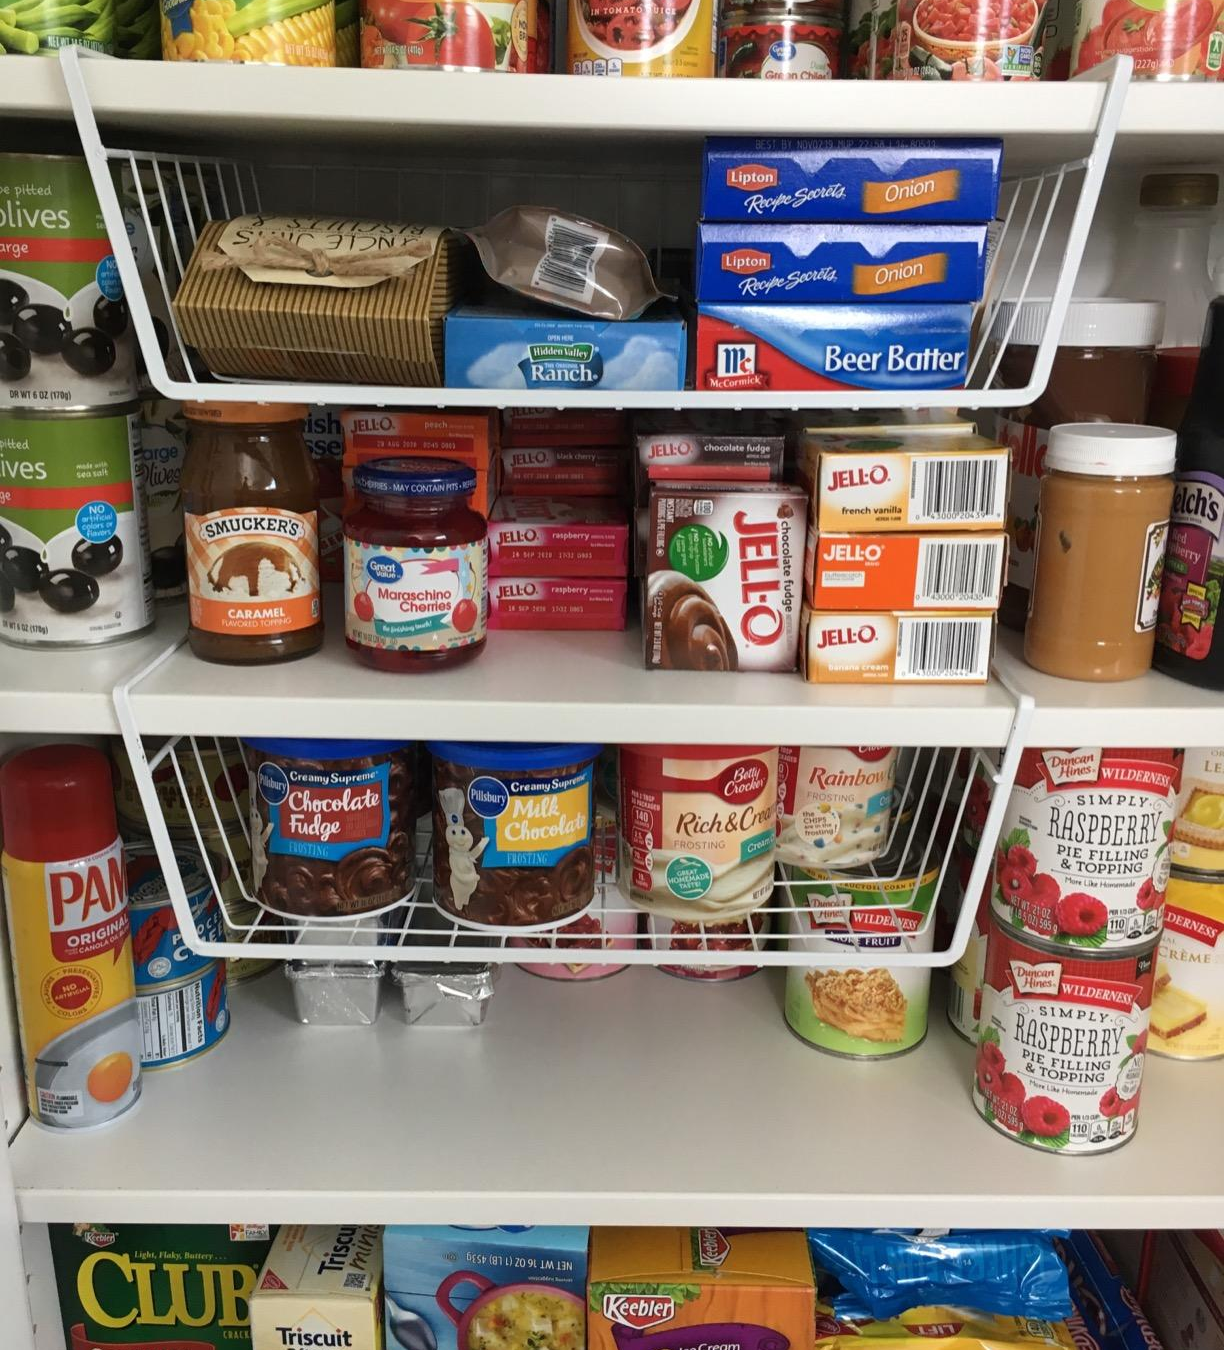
<point>697,828</point>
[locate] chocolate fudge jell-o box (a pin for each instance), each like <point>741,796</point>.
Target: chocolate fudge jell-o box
<point>725,577</point>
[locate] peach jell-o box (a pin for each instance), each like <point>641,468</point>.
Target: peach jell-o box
<point>699,1288</point>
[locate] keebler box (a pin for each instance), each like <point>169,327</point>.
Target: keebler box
<point>320,1286</point>
<point>470,438</point>
<point>137,1286</point>
<point>840,346</point>
<point>852,647</point>
<point>700,1289</point>
<point>904,571</point>
<point>843,179</point>
<point>783,263</point>
<point>904,481</point>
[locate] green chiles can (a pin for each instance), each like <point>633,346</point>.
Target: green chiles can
<point>66,337</point>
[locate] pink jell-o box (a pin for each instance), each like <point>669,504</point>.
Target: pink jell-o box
<point>569,471</point>
<point>558,537</point>
<point>570,604</point>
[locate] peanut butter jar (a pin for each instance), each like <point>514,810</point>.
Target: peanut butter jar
<point>1102,525</point>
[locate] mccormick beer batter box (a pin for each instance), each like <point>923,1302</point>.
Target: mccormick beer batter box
<point>700,1289</point>
<point>812,264</point>
<point>851,647</point>
<point>793,347</point>
<point>320,1286</point>
<point>841,179</point>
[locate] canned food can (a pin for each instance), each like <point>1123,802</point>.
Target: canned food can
<point>163,447</point>
<point>1198,831</point>
<point>66,340</point>
<point>267,32</point>
<point>1168,39</point>
<point>497,35</point>
<point>966,974</point>
<point>182,1019</point>
<point>642,37</point>
<point>780,40</point>
<point>237,920</point>
<point>224,782</point>
<point>74,539</point>
<point>348,33</point>
<point>42,26</point>
<point>159,951</point>
<point>944,39</point>
<point>677,935</point>
<point>1188,1002</point>
<point>1062,1041</point>
<point>137,37</point>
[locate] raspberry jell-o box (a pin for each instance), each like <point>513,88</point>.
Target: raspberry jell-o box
<point>879,647</point>
<point>574,604</point>
<point>844,179</point>
<point>904,571</point>
<point>558,537</point>
<point>794,347</point>
<point>568,471</point>
<point>899,482</point>
<point>753,261</point>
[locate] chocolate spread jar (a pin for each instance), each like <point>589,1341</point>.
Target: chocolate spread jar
<point>331,825</point>
<point>1102,372</point>
<point>513,833</point>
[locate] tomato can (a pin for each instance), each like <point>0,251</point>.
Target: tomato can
<point>1062,1041</point>
<point>945,40</point>
<point>642,37</point>
<point>449,35</point>
<point>781,40</point>
<point>184,1018</point>
<point>1168,39</point>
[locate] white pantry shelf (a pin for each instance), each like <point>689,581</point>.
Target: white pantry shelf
<point>235,104</point>
<point>640,1099</point>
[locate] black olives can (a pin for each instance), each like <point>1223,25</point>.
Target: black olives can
<point>66,338</point>
<point>75,569</point>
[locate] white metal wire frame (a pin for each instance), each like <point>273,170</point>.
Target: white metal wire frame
<point>191,190</point>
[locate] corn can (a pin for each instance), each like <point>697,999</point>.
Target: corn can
<point>642,37</point>
<point>268,32</point>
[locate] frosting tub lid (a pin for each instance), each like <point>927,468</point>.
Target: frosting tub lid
<point>510,754</point>
<point>321,749</point>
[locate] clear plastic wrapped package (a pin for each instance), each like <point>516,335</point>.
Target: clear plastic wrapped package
<point>445,995</point>
<point>336,993</point>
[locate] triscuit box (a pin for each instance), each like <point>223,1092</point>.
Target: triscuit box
<point>700,1289</point>
<point>509,346</point>
<point>852,647</point>
<point>904,481</point>
<point>844,179</point>
<point>754,263</point>
<point>320,1286</point>
<point>286,326</point>
<point>832,346</point>
<point>904,571</point>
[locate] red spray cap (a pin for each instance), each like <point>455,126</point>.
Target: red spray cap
<point>58,803</point>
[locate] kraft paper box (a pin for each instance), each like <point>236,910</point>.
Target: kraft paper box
<point>247,319</point>
<point>758,262</point>
<point>320,1281</point>
<point>687,1288</point>
<point>845,179</point>
<point>838,346</point>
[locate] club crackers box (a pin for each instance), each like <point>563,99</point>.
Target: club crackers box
<point>847,179</point>
<point>793,347</point>
<point>321,1285</point>
<point>783,263</point>
<point>128,1286</point>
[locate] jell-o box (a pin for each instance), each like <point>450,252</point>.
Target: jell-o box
<point>568,604</point>
<point>904,571</point>
<point>558,537</point>
<point>853,647</point>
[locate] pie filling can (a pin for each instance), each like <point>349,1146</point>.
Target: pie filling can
<point>1062,1041</point>
<point>1188,1002</point>
<point>677,935</point>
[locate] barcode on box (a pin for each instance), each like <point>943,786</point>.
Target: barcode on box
<point>957,487</point>
<point>567,268</point>
<point>943,649</point>
<point>954,572</point>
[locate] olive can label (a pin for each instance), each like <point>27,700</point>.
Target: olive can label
<point>416,599</point>
<point>74,541</point>
<point>66,338</point>
<point>1062,1042</point>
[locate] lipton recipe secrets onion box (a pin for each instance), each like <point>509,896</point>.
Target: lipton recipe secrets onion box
<point>689,1288</point>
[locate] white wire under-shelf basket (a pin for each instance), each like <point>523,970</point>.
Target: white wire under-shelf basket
<point>188,190</point>
<point>802,924</point>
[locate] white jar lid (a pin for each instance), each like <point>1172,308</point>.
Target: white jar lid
<point>1089,323</point>
<point>1111,449</point>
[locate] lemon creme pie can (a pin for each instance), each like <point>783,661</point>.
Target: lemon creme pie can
<point>1198,834</point>
<point>1188,1004</point>
<point>1062,1041</point>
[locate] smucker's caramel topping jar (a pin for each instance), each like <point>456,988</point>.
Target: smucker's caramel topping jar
<point>1103,521</point>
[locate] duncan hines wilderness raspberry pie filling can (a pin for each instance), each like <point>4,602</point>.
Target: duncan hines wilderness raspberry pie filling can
<point>1083,858</point>
<point>1062,1042</point>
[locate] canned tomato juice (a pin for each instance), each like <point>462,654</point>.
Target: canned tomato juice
<point>642,37</point>
<point>1062,1041</point>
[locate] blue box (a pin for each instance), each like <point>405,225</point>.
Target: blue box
<point>843,179</point>
<point>457,1281</point>
<point>534,347</point>
<point>753,263</point>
